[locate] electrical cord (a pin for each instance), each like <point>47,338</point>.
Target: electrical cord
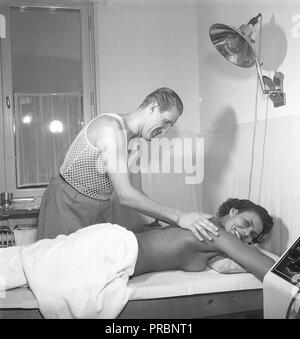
<point>263,150</point>
<point>253,143</point>
<point>255,118</point>
<point>255,130</point>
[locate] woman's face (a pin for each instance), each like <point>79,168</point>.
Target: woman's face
<point>246,225</point>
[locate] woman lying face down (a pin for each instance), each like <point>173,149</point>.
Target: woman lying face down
<point>240,222</point>
<point>85,274</point>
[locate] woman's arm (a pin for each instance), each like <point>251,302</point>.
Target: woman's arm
<point>247,256</point>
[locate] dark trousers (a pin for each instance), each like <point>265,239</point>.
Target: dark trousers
<point>64,210</point>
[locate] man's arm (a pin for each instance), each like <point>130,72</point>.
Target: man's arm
<point>114,152</point>
<point>247,256</point>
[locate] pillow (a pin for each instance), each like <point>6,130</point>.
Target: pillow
<point>223,264</point>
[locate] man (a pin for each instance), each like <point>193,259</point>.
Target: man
<point>96,164</point>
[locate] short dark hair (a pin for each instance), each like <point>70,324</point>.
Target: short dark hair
<point>246,205</point>
<point>166,98</point>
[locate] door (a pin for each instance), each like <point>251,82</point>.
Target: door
<point>47,89</point>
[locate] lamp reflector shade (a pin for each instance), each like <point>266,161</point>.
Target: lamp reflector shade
<point>233,45</point>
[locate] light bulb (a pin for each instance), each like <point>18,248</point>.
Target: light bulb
<point>56,126</point>
<point>234,45</point>
<point>27,119</point>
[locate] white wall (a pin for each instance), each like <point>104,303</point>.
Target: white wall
<point>141,46</point>
<point>242,128</point>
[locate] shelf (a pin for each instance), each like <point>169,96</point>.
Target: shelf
<point>18,213</point>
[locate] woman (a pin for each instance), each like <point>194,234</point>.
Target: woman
<point>240,222</point>
<point>85,274</point>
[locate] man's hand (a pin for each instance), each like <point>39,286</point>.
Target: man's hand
<point>199,224</point>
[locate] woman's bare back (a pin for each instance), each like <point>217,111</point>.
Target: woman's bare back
<point>171,248</point>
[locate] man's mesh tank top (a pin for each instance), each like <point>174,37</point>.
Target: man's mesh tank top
<point>83,167</point>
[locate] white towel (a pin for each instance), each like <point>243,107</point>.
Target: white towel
<point>11,268</point>
<point>83,275</point>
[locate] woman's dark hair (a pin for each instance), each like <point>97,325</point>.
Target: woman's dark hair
<point>246,205</point>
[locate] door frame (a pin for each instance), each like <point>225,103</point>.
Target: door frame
<point>2,139</point>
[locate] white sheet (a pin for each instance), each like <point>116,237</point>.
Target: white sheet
<point>159,285</point>
<point>179,283</point>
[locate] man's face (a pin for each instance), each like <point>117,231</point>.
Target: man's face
<point>159,122</point>
<point>246,225</point>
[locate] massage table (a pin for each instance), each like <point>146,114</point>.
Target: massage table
<point>168,295</point>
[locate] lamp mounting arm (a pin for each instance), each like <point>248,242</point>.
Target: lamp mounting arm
<point>273,88</point>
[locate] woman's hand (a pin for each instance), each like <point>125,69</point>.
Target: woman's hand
<point>198,223</point>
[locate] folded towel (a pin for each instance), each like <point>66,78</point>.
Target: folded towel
<point>11,268</point>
